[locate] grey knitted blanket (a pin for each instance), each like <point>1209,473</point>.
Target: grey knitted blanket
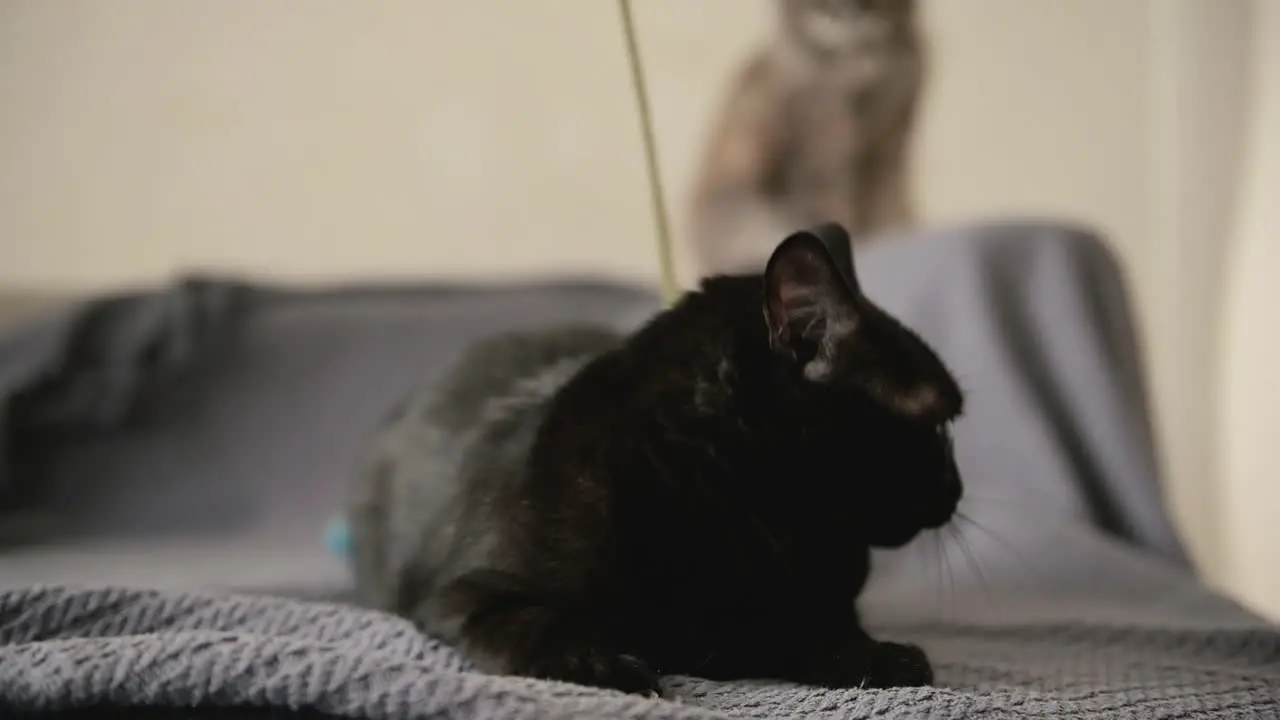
<point>111,649</point>
<point>1069,594</point>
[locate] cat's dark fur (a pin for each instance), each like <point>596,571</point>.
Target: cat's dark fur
<point>697,498</point>
<point>816,126</point>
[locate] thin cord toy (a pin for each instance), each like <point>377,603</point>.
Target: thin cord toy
<point>666,253</point>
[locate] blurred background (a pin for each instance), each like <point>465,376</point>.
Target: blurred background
<point>498,138</point>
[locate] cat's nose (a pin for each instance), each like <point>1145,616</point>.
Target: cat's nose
<point>953,484</point>
<point>955,488</point>
<point>939,515</point>
<point>948,500</point>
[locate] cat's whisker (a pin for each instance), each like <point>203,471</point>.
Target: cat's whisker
<point>974,501</point>
<point>980,380</point>
<point>951,575</point>
<point>1030,497</point>
<point>937,561</point>
<point>950,571</point>
<point>965,381</point>
<point>971,560</point>
<point>1014,552</point>
<point>1020,505</point>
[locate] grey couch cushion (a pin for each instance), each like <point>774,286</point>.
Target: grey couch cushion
<point>209,447</point>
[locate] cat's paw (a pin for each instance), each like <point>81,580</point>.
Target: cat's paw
<point>898,665</point>
<point>876,665</point>
<point>600,669</point>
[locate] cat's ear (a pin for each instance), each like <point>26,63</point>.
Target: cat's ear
<point>840,247</point>
<point>810,300</point>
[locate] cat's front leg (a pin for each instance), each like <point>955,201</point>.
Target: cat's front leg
<point>861,661</point>
<point>505,629</point>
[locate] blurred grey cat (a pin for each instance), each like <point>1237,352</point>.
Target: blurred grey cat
<point>816,128</point>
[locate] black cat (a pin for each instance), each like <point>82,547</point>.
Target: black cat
<point>697,498</point>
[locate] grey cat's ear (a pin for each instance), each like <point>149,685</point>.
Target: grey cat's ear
<point>810,301</point>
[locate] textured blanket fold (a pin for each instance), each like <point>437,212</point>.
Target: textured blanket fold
<point>63,649</point>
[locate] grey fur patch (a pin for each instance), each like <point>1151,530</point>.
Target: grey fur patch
<point>532,390</point>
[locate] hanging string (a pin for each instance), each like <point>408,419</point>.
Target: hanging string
<point>666,254</point>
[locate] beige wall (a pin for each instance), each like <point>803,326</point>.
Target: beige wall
<point>1249,355</point>
<point>462,137</point>
<point>332,137</point>
<point>314,138</point>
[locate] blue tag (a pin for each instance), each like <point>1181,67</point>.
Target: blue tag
<point>337,538</point>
